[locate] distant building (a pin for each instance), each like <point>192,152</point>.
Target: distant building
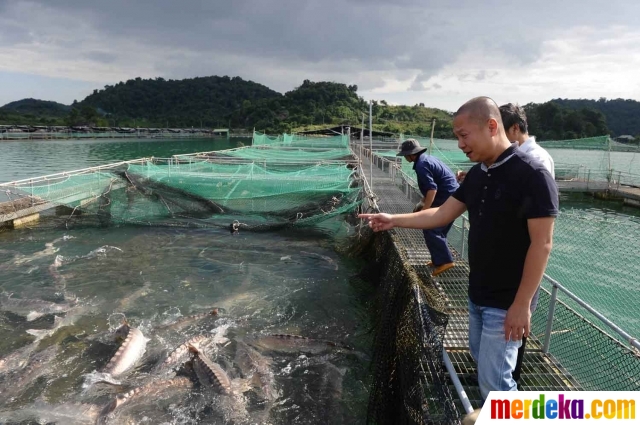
<point>625,139</point>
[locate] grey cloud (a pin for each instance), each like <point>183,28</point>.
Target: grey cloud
<point>416,85</point>
<point>12,33</point>
<point>280,43</point>
<point>484,75</point>
<point>102,57</point>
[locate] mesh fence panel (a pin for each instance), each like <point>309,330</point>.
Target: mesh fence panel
<point>604,275</point>
<point>409,384</point>
<point>594,358</point>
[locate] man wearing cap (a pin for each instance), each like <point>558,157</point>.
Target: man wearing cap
<point>436,183</point>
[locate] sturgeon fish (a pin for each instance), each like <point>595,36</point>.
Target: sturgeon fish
<point>47,251</point>
<point>30,308</point>
<point>151,389</point>
<point>16,360</point>
<point>210,373</point>
<point>132,349</point>
<point>60,322</point>
<point>257,368</point>
<point>65,413</point>
<point>294,344</point>
<point>36,367</point>
<point>126,302</point>
<point>188,320</point>
<point>181,353</point>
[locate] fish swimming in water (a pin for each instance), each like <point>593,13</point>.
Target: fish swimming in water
<point>329,260</point>
<point>32,308</point>
<point>69,319</point>
<point>126,302</point>
<point>230,403</point>
<point>47,251</point>
<point>130,351</point>
<point>60,282</point>
<point>17,360</point>
<point>208,372</point>
<point>257,368</point>
<point>65,413</point>
<point>286,343</point>
<point>152,389</point>
<point>20,380</point>
<point>181,353</point>
<point>328,393</point>
<point>188,320</point>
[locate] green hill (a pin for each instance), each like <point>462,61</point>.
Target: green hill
<point>34,112</point>
<point>222,102</point>
<point>241,104</point>
<point>206,101</point>
<point>553,121</point>
<point>622,115</point>
<point>320,104</point>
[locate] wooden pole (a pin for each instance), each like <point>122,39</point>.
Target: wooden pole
<point>433,127</point>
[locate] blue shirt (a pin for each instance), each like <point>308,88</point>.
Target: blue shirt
<point>433,174</point>
<point>500,199</point>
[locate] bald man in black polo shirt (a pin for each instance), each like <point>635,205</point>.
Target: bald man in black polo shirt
<point>512,202</point>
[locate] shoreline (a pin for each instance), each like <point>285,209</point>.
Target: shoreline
<point>53,139</point>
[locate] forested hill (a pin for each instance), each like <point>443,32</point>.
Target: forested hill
<point>37,107</point>
<point>318,104</point>
<point>623,115</point>
<point>215,102</point>
<point>551,121</point>
<point>206,101</point>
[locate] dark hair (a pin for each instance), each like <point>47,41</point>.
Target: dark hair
<point>513,114</point>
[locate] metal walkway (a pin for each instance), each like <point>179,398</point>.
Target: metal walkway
<point>539,372</point>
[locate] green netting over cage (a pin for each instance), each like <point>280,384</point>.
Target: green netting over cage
<point>249,187</point>
<point>261,139</point>
<point>291,154</point>
<point>247,195</point>
<point>606,275</point>
<point>591,143</point>
<point>300,141</point>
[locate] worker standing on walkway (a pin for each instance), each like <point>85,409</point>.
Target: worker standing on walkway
<point>512,202</point>
<point>436,183</point>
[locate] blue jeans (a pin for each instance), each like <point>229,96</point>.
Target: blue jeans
<point>436,240</point>
<point>496,358</point>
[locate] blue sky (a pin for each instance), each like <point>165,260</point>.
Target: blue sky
<point>437,52</point>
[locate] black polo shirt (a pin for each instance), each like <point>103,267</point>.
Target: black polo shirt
<point>500,199</point>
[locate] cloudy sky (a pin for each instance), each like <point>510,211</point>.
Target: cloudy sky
<point>437,52</point>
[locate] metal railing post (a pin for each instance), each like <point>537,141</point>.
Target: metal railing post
<point>464,231</point>
<point>464,399</point>
<point>552,310</point>
<point>619,177</point>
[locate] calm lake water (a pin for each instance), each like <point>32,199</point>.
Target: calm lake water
<point>25,159</point>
